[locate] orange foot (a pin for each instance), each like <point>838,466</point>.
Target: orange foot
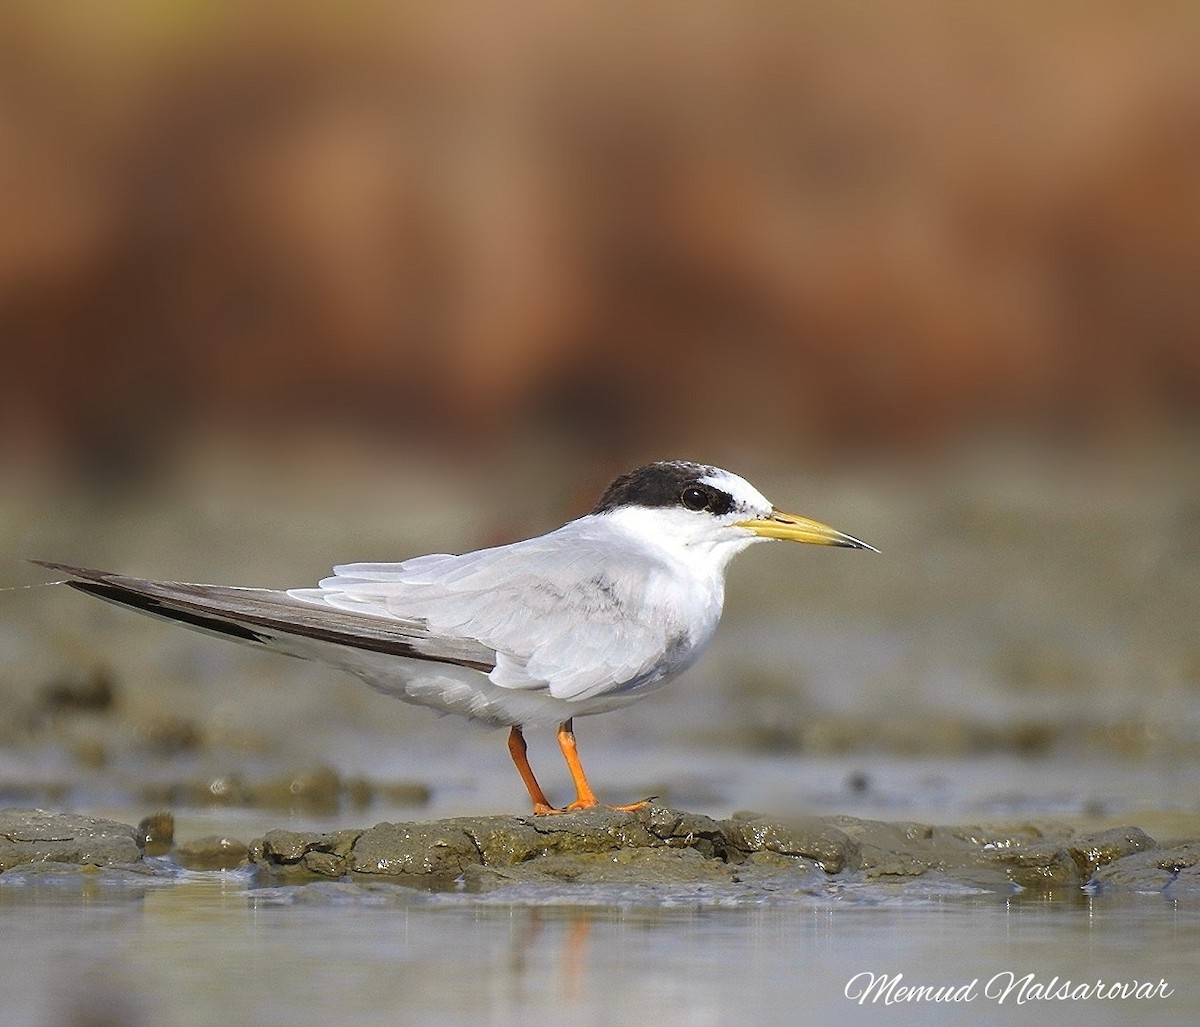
<point>584,797</point>
<point>543,810</point>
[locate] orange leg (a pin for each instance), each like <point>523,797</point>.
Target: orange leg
<point>516,749</point>
<point>585,798</point>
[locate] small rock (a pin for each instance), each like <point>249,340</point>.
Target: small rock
<point>812,838</point>
<point>1153,870</point>
<point>504,841</point>
<point>326,864</point>
<point>293,854</point>
<point>290,846</point>
<point>211,853</point>
<point>1039,867</point>
<point>285,846</point>
<point>1187,881</point>
<point>415,850</point>
<point>688,830</point>
<point>34,835</point>
<point>1093,851</point>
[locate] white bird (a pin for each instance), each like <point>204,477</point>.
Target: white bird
<point>585,619</point>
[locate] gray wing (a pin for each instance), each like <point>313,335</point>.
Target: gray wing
<point>263,615</point>
<point>572,613</point>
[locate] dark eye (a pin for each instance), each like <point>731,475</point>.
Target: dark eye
<point>694,498</point>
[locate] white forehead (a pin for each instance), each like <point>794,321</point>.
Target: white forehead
<point>745,495</point>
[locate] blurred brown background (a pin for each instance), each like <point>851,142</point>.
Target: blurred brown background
<point>812,228</point>
<point>300,283</point>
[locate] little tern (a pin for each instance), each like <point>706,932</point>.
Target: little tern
<point>585,619</point>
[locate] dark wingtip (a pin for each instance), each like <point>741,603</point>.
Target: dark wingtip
<point>850,542</point>
<point>82,573</point>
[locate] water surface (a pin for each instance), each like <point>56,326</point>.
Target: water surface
<point>213,951</point>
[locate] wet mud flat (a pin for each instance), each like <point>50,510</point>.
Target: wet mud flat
<point>655,853</point>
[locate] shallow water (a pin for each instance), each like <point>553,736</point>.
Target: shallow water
<point>214,952</point>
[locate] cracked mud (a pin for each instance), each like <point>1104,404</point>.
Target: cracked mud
<point>653,846</point>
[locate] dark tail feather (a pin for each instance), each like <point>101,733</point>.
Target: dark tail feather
<point>147,604</point>
<point>261,616</point>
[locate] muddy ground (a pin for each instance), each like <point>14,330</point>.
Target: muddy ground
<point>748,856</point>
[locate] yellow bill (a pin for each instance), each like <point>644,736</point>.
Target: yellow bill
<point>795,528</point>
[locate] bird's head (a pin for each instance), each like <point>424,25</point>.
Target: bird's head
<point>698,507</point>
